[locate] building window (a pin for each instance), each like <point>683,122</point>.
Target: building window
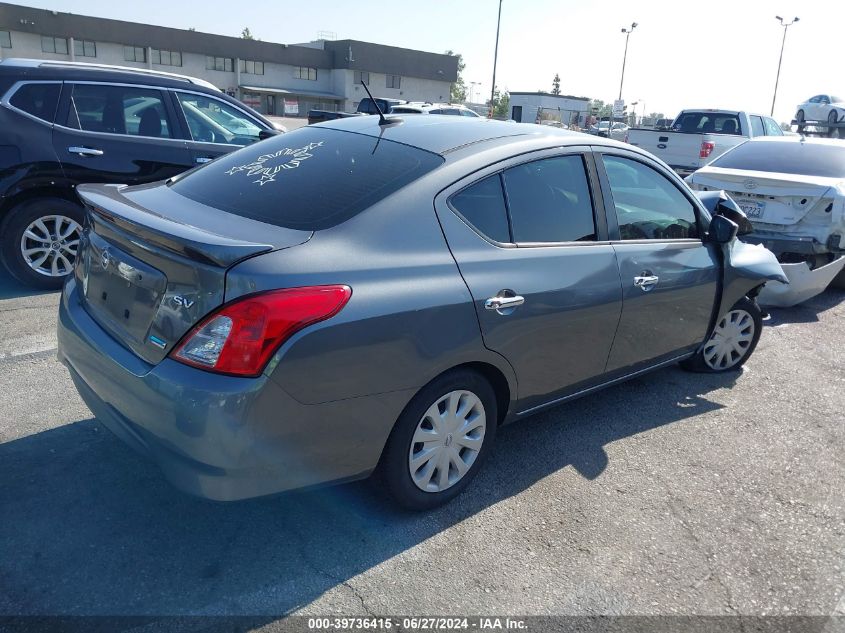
<point>394,81</point>
<point>251,67</point>
<point>166,58</point>
<point>362,76</point>
<point>54,45</point>
<point>303,72</point>
<point>84,48</point>
<point>5,39</point>
<point>225,64</point>
<point>134,54</point>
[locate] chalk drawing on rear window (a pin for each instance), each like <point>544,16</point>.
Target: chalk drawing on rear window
<point>268,166</point>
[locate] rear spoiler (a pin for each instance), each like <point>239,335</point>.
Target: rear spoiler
<point>107,206</point>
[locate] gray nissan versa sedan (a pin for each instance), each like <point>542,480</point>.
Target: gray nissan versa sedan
<point>359,296</point>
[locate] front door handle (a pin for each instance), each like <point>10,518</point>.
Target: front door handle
<point>505,302</point>
<point>646,282</point>
<point>85,151</point>
<point>202,160</point>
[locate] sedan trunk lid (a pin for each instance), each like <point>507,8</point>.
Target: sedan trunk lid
<point>152,263</point>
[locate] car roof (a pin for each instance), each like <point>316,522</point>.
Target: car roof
<point>443,134</point>
<point>86,70</point>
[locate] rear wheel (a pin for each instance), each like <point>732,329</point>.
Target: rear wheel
<point>39,241</point>
<point>831,117</point>
<point>732,342</point>
<point>799,117</point>
<point>440,441</point>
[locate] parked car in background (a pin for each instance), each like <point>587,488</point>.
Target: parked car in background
<point>793,192</point>
<point>365,106</point>
<point>450,109</point>
<point>699,136</point>
<point>663,124</point>
<point>821,108</point>
<point>63,123</point>
<point>617,132</point>
<point>356,296</point>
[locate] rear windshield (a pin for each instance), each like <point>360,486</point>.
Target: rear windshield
<point>707,123</point>
<point>792,157</point>
<point>308,179</point>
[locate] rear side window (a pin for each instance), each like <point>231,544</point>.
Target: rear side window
<point>309,179</point>
<point>39,100</point>
<point>648,205</point>
<point>549,201</point>
<point>483,206</point>
<point>119,110</point>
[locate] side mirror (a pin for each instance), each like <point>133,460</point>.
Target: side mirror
<point>730,209</point>
<point>722,230</point>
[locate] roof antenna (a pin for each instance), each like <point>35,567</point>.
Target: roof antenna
<point>381,119</point>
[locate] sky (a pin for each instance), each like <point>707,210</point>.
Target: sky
<point>719,53</point>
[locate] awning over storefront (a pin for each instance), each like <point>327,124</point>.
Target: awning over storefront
<point>292,93</point>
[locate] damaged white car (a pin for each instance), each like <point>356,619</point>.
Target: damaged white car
<point>792,189</point>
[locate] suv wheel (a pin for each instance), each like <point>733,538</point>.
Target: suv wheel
<point>39,240</point>
<point>732,342</point>
<point>440,440</point>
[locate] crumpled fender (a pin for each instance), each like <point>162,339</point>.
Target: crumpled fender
<point>747,266</point>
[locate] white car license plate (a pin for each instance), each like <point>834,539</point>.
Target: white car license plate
<point>752,208</point>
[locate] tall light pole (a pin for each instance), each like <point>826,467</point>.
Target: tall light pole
<point>780,61</point>
<point>624,58</point>
<point>495,59</point>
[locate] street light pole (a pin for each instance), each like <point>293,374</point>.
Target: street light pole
<point>780,61</point>
<point>625,56</point>
<point>495,59</point>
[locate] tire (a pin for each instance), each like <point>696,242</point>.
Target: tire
<point>38,241</point>
<point>832,117</point>
<point>466,389</point>
<point>799,117</point>
<point>742,326</point>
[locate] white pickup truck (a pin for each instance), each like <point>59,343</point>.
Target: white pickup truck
<point>700,136</point>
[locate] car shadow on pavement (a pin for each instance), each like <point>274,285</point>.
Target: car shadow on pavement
<point>10,288</point>
<point>90,528</point>
<point>808,311</point>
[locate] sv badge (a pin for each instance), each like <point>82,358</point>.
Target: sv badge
<point>183,302</point>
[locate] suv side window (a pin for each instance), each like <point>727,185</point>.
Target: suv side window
<point>211,120</point>
<point>648,205</point>
<point>39,100</point>
<point>119,110</point>
<point>549,201</point>
<point>772,128</point>
<point>482,204</point>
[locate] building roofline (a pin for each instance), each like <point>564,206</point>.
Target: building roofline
<point>549,94</point>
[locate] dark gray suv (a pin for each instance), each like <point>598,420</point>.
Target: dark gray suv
<point>355,296</point>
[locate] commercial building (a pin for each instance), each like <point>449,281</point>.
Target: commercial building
<point>277,79</point>
<point>534,107</point>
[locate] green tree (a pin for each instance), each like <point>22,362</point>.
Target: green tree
<point>556,85</point>
<point>459,89</point>
<point>247,34</point>
<point>501,104</point>
<point>599,108</point>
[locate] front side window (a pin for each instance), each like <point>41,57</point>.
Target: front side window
<point>648,205</point>
<point>5,39</point>
<point>135,53</point>
<point>549,201</point>
<point>39,100</point>
<point>84,48</point>
<point>771,127</point>
<point>119,110</point>
<point>56,45</point>
<point>482,205</point>
<point>394,81</point>
<point>213,121</point>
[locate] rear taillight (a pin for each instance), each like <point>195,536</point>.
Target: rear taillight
<point>707,148</point>
<point>240,337</point>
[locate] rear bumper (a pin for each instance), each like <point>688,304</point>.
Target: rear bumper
<point>220,437</point>
<point>803,284</point>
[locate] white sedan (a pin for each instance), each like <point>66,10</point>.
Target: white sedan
<point>793,191</point>
<point>822,108</point>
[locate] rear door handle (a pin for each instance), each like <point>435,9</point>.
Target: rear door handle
<point>85,151</point>
<point>202,160</point>
<point>646,282</point>
<point>504,302</point>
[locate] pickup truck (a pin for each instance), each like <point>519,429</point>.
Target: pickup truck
<point>366,106</point>
<point>700,136</point>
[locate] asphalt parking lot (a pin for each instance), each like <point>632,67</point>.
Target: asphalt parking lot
<point>674,493</point>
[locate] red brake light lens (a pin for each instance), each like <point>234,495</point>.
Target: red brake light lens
<point>707,148</point>
<point>241,336</point>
